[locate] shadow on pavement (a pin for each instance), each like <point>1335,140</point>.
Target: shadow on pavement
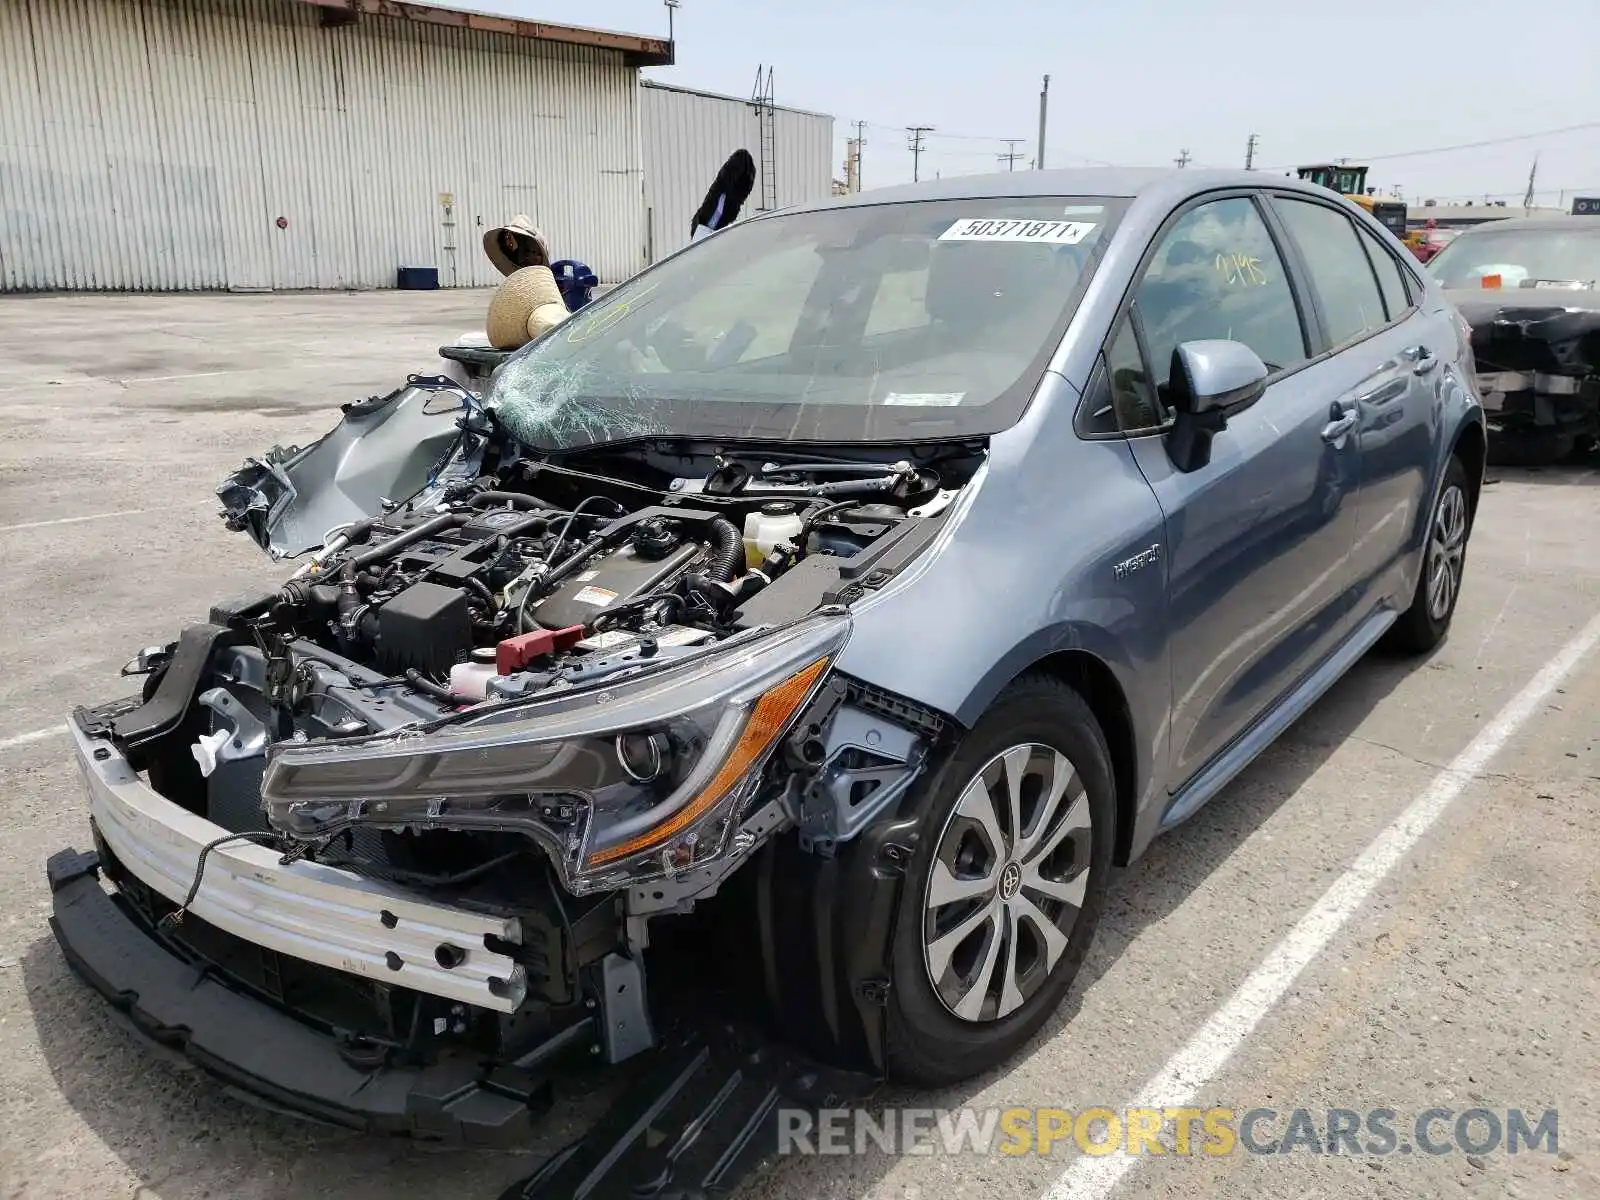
<point>1580,470</point>
<point>1150,890</point>
<point>186,1136</point>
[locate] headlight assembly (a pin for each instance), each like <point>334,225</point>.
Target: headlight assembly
<point>620,783</point>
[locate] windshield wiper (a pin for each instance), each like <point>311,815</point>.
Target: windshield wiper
<point>837,467</point>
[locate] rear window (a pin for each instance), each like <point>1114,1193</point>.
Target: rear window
<point>1346,287</point>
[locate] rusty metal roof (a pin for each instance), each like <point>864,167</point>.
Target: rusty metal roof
<point>637,49</point>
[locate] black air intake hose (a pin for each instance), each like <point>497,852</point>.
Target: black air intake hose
<point>727,550</point>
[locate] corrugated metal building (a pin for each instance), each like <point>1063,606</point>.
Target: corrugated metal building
<point>155,144</point>
<point>689,134</point>
<point>277,144</point>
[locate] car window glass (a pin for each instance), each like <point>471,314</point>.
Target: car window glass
<point>1133,393</point>
<point>1559,256</point>
<point>1217,274</point>
<point>899,303</point>
<point>1390,279</point>
<point>1345,285</point>
<point>775,286</point>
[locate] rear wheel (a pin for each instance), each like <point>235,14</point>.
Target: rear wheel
<point>1424,625</point>
<point>1007,886</point>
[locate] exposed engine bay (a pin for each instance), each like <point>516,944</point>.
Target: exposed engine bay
<point>571,691</point>
<point>549,576</point>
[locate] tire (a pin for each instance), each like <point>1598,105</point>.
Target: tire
<point>1424,625</point>
<point>940,1034</point>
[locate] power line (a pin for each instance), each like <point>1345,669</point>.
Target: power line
<point>1058,155</point>
<point>942,136</point>
<point>1499,141</point>
<point>1547,191</point>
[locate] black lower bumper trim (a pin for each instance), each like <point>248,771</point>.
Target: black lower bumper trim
<point>271,1058</point>
<point>707,1116</point>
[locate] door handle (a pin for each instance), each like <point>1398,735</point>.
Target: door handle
<point>1423,360</point>
<point>1343,418</point>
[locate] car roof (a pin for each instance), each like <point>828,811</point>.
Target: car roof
<point>1107,182</point>
<point>1562,221</point>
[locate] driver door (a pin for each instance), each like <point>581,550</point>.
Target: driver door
<point>1259,539</point>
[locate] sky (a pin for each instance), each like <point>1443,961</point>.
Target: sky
<point>1138,82</point>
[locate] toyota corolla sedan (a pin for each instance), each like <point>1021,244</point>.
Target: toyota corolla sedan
<point>861,583</point>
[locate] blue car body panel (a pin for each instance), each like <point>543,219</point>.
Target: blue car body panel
<point>1276,565</point>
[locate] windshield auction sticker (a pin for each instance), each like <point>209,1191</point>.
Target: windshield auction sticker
<point>998,229</point>
<point>925,399</point>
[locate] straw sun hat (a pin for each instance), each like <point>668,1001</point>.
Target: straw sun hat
<point>524,230</point>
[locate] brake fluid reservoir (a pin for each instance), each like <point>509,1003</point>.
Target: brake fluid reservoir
<point>776,521</point>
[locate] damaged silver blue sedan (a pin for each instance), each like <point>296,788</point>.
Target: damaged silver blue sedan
<point>853,588</point>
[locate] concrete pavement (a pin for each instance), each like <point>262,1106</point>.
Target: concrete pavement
<point>1469,978</point>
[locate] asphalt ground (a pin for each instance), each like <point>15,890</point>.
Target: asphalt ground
<point>1462,972</point>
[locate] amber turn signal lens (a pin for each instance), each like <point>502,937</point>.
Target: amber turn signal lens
<point>770,716</point>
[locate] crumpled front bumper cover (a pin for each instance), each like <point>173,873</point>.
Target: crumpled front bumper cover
<point>313,912</point>
<point>268,1056</point>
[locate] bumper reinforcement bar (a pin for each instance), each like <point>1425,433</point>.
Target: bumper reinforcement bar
<point>272,1059</point>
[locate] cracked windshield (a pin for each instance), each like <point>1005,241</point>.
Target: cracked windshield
<point>919,320</point>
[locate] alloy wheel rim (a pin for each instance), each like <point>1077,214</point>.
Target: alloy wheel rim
<point>1009,875</point>
<point>1447,547</point>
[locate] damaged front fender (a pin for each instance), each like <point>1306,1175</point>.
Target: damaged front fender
<point>386,451</point>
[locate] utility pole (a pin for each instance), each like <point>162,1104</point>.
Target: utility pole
<point>861,140</point>
<point>1250,152</point>
<point>1183,158</point>
<point>1044,112</point>
<point>1012,154</point>
<point>914,141</point>
<point>1527,199</point>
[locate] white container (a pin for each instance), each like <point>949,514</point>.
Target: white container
<point>470,680</point>
<point>774,522</point>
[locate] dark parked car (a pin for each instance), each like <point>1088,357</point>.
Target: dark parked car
<point>867,578</point>
<point>1530,288</point>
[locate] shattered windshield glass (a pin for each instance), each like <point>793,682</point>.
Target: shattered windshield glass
<point>891,322</point>
<point>1521,258</point>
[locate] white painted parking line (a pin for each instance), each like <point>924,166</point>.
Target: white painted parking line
<point>121,512</point>
<point>1197,1064</point>
<point>38,735</point>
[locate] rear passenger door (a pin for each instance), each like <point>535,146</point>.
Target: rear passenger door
<point>1378,364</point>
<point>1258,539</point>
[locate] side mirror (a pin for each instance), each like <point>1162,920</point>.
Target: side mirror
<point>1209,382</point>
<point>1217,374</point>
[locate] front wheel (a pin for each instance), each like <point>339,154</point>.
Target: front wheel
<point>1008,884</point>
<point>1423,626</point>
